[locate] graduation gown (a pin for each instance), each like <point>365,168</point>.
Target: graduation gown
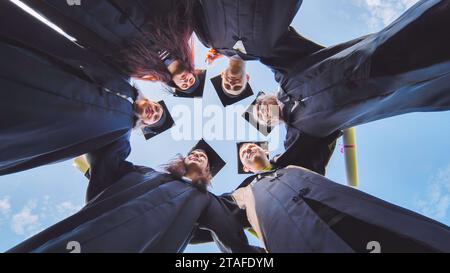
<point>57,100</point>
<point>138,209</point>
<point>301,211</point>
<point>312,153</point>
<point>301,150</point>
<point>104,27</point>
<point>258,24</point>
<point>403,68</point>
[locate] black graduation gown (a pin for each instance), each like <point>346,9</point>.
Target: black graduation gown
<point>57,100</point>
<point>403,68</point>
<point>312,153</point>
<point>301,211</point>
<point>139,210</point>
<point>301,150</point>
<point>104,27</point>
<point>261,25</point>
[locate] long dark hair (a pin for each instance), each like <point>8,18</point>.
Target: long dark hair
<point>171,32</point>
<point>177,168</point>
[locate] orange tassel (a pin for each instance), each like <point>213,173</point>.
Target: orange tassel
<point>212,55</point>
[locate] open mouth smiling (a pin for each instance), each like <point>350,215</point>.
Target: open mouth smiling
<point>149,112</point>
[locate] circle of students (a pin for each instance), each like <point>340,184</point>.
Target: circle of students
<point>67,95</point>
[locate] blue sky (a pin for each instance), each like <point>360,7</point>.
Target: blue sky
<point>404,160</point>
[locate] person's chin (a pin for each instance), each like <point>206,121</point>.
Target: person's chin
<point>273,120</point>
<point>194,164</point>
<point>237,93</point>
<point>145,120</point>
<point>255,158</point>
<point>265,122</point>
<point>232,94</point>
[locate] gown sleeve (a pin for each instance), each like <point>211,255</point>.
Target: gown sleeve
<point>107,165</point>
<point>225,223</point>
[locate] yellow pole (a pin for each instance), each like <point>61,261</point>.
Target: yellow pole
<point>351,164</point>
<point>81,164</point>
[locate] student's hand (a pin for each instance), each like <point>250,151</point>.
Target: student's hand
<point>211,56</point>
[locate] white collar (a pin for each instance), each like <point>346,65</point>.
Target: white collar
<point>186,179</point>
<point>239,46</point>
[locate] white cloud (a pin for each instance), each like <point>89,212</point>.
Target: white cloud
<point>380,13</point>
<point>436,202</point>
<point>25,222</point>
<point>36,214</point>
<point>67,208</point>
<point>5,206</point>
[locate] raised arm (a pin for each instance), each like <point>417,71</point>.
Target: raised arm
<point>307,151</point>
<point>107,165</point>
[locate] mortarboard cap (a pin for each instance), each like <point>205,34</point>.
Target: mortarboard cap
<point>166,122</point>
<point>195,91</point>
<point>226,98</point>
<point>248,115</point>
<point>216,163</point>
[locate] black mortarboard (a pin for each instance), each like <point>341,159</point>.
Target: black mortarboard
<point>165,123</point>
<point>262,144</point>
<point>195,91</point>
<point>248,115</point>
<point>216,163</point>
<point>227,99</point>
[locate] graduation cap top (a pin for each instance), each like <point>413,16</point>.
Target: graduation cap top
<point>226,98</point>
<point>195,91</point>
<point>248,115</point>
<point>262,144</point>
<point>215,162</point>
<point>165,123</point>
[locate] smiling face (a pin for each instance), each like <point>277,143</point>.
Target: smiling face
<point>267,110</point>
<point>149,112</point>
<point>197,160</point>
<point>234,78</point>
<point>253,157</point>
<point>233,84</point>
<point>182,78</point>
